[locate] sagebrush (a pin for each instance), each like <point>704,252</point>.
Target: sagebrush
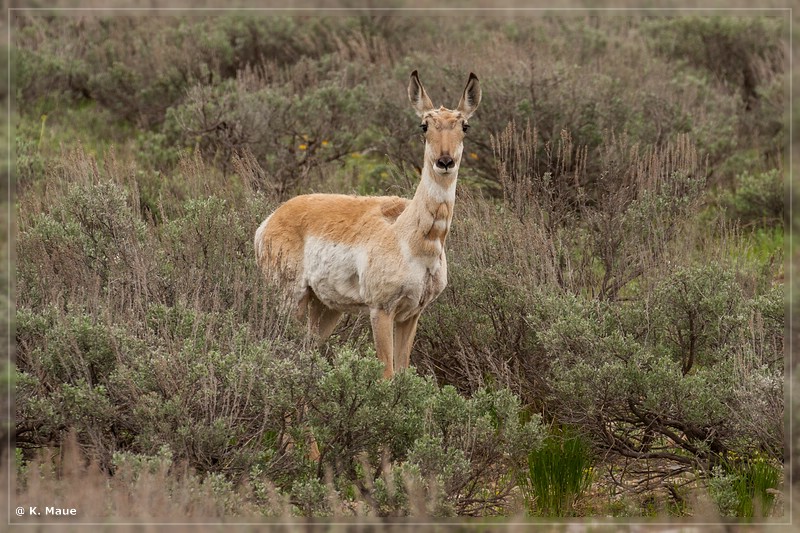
<point>616,265</point>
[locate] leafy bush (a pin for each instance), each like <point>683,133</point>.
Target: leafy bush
<point>355,414</point>
<point>745,489</point>
<point>758,199</point>
<point>741,52</point>
<point>744,57</point>
<point>262,116</point>
<point>462,463</point>
<point>627,211</point>
<point>618,378</point>
<point>702,308</point>
<point>486,436</point>
<point>30,165</point>
<point>82,242</point>
<point>197,383</point>
<point>138,71</point>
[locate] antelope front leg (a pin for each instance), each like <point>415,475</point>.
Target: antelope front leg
<point>383,333</point>
<point>404,334</point>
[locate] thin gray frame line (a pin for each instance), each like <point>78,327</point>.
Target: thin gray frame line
<point>334,9</point>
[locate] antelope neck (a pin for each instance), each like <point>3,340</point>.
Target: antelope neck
<point>427,218</point>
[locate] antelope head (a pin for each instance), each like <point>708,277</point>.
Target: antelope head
<point>444,129</point>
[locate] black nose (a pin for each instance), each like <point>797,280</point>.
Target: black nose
<point>445,162</point>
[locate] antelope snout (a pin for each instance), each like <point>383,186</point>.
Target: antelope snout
<point>445,162</point>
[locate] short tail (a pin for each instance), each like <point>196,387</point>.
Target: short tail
<point>273,265</point>
<point>258,242</point>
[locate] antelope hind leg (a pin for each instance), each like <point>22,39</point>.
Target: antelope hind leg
<point>321,319</point>
<point>383,333</point>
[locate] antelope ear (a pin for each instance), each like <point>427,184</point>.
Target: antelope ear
<point>419,98</point>
<point>471,97</point>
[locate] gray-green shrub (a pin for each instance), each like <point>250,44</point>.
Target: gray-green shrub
<point>580,266</point>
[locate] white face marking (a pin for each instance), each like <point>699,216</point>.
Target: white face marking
<point>433,156</point>
<point>457,156</point>
<point>437,193</point>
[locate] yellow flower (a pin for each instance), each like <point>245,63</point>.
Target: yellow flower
<point>355,154</point>
<point>384,174</point>
<point>325,143</point>
<point>473,155</point>
<point>303,146</point>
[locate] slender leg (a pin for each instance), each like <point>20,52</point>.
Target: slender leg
<point>311,443</point>
<point>302,305</point>
<point>321,319</point>
<point>316,315</point>
<point>383,333</point>
<point>404,333</point>
<point>327,323</point>
<point>315,309</point>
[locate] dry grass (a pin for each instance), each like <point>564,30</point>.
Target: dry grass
<point>177,499</point>
<point>157,493</point>
<point>62,478</point>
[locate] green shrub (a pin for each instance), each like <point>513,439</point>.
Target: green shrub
<point>469,442</point>
<point>65,365</point>
<point>50,74</point>
<point>759,198</point>
<point>356,414</point>
<point>701,310</point>
<point>125,388</point>
<point>743,57</point>
<point>263,117</point>
<point>198,383</point>
<point>310,497</point>
<point>618,377</point>
<point>30,164</point>
<point>207,239</point>
<point>455,447</point>
<point>741,52</point>
<point>598,229</point>
<point>86,242</point>
<point>138,70</point>
<point>745,489</point>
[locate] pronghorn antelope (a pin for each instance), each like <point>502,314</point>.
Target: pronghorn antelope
<point>381,254</point>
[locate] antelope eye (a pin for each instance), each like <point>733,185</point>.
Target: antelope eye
<point>424,126</point>
<point>464,127</point>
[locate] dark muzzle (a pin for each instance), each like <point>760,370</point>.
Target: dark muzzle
<point>446,162</point>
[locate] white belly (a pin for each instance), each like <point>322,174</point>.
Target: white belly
<point>335,273</point>
<point>352,278</point>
